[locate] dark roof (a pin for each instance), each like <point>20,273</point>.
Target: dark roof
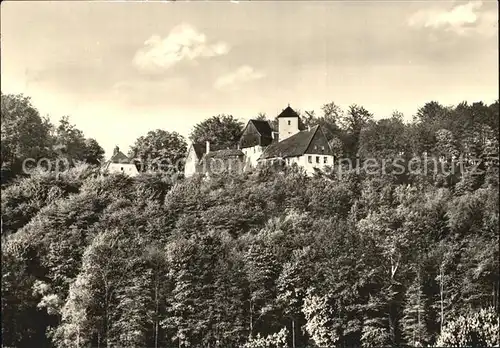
<point>226,153</point>
<point>263,127</point>
<point>296,145</point>
<point>200,150</point>
<point>288,112</point>
<point>119,157</point>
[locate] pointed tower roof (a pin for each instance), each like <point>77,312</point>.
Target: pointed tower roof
<point>288,112</point>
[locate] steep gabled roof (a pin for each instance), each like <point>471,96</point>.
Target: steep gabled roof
<point>119,157</point>
<point>288,112</point>
<point>296,145</point>
<point>263,127</point>
<point>256,132</point>
<point>200,150</point>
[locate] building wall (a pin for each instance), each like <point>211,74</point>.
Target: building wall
<point>308,162</point>
<point>125,168</point>
<point>233,164</point>
<point>191,163</point>
<point>311,161</point>
<point>288,126</point>
<point>252,154</point>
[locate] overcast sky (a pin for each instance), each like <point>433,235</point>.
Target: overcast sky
<point>120,69</point>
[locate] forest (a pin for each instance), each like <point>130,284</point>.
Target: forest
<point>265,258</point>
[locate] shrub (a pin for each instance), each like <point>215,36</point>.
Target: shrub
<point>478,329</point>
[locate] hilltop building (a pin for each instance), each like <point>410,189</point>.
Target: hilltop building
<point>203,159</point>
<point>308,148</point>
<point>119,163</point>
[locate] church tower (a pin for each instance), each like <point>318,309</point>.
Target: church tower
<point>288,123</point>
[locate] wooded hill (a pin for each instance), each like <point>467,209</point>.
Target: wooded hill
<point>267,258</point>
<point>115,261</point>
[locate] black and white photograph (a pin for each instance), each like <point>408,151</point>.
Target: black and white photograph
<point>250,174</point>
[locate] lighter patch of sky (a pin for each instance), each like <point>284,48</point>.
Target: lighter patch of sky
<point>184,42</point>
<point>120,69</point>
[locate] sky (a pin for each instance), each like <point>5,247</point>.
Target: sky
<point>121,69</point>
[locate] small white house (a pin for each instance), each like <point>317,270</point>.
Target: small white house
<point>193,159</point>
<point>204,160</point>
<point>120,163</point>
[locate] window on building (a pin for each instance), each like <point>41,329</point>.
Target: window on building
<point>310,159</point>
<point>289,122</point>
<point>317,159</point>
<point>325,159</point>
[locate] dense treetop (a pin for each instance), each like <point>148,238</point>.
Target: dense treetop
<point>28,139</point>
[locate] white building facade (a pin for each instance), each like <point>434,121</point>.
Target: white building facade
<point>120,163</point>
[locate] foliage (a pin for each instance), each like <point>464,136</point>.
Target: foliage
<point>223,131</point>
<point>25,134</point>
<point>24,198</point>
<point>384,138</point>
<point>159,149</point>
<point>28,140</point>
<point>477,329</point>
<point>93,152</point>
<point>276,340</point>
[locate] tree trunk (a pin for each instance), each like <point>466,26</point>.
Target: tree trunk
<point>156,334</point>
<point>418,306</point>
<point>496,290</point>
<point>251,318</point>
<point>392,332</point>
<point>106,309</point>
<point>156,314</point>
<point>442,296</point>
<point>392,319</point>
<point>293,333</point>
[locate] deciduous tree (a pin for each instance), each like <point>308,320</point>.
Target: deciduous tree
<point>222,131</point>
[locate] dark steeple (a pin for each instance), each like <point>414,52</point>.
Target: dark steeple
<point>288,112</point>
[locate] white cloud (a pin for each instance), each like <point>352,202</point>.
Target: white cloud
<point>461,19</point>
<point>183,42</point>
<point>243,74</point>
